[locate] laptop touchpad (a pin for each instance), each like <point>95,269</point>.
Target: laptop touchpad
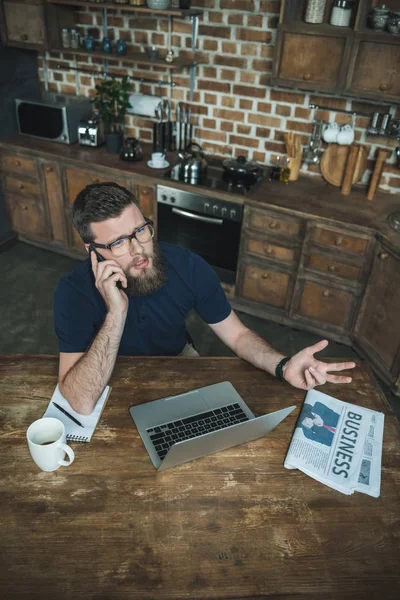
<point>187,405</point>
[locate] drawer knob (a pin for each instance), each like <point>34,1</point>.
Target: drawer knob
<point>96,180</point>
<point>49,169</point>
<point>24,207</point>
<point>269,251</point>
<point>383,255</point>
<point>274,225</point>
<point>326,294</point>
<point>21,186</point>
<point>306,76</point>
<point>24,37</point>
<point>339,241</point>
<point>265,276</point>
<point>383,87</point>
<point>17,163</point>
<point>331,268</point>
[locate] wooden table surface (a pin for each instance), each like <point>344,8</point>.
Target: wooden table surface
<point>236,524</point>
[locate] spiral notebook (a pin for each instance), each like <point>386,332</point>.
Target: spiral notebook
<point>76,433</point>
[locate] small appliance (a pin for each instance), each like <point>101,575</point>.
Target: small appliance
<point>91,132</point>
<point>52,116</point>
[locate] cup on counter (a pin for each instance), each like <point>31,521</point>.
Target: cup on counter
<point>47,444</point>
<point>158,159</point>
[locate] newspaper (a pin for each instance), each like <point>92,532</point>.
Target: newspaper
<point>338,444</point>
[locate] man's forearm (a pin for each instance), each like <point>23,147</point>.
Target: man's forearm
<point>84,383</point>
<point>258,352</point>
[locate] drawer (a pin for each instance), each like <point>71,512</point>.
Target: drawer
<point>325,304</point>
<point>265,285</point>
<point>268,249</point>
<point>325,264</point>
<point>27,217</point>
<point>77,180</point>
<point>271,223</point>
<point>22,187</point>
<point>337,239</point>
<point>17,164</point>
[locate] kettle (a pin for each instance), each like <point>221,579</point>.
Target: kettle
<point>194,164</point>
<point>131,149</point>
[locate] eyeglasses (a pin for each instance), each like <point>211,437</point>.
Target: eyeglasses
<point>122,245</point>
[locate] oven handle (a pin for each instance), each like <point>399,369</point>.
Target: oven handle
<point>185,213</point>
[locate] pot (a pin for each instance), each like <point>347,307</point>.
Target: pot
<point>240,167</point>
<point>194,164</point>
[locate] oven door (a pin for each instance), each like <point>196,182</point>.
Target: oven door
<point>214,239</point>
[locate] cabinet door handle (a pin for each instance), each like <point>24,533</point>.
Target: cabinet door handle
<point>21,186</point>
<point>24,207</point>
<point>17,163</point>
<point>383,255</point>
<point>265,276</point>
<point>49,169</point>
<point>306,76</point>
<point>269,251</point>
<point>339,241</point>
<point>274,225</point>
<point>24,37</point>
<point>326,294</point>
<point>96,180</point>
<point>383,87</point>
<point>331,268</point>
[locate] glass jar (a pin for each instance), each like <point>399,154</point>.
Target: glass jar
<point>315,11</point>
<point>341,13</point>
<point>65,38</point>
<point>74,39</point>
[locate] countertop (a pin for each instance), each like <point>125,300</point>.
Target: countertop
<point>310,196</point>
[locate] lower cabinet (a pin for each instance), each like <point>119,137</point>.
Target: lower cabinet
<point>267,285</point>
<point>377,329</point>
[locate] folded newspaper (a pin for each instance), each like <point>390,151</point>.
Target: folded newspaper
<point>339,444</point>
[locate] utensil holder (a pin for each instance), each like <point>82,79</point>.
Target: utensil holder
<point>294,166</point>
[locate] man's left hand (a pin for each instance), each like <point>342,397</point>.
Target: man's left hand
<point>306,372</point>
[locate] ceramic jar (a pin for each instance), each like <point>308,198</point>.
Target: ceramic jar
<point>393,23</point>
<point>315,11</point>
<point>378,17</point>
<point>158,4</point>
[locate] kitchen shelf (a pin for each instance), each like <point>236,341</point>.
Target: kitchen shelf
<point>134,57</point>
<point>172,12</point>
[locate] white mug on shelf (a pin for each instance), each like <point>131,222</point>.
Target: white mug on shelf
<point>46,441</point>
<point>158,159</point>
<point>346,135</point>
<point>331,133</point>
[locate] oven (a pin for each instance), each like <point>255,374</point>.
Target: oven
<point>209,227</point>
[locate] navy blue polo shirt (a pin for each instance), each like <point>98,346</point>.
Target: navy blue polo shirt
<point>155,325</point>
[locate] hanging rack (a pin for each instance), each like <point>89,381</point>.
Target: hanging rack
<point>116,76</point>
<point>340,110</point>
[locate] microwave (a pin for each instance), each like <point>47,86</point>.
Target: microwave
<point>52,116</point>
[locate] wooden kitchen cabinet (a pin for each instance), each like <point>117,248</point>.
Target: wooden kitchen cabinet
<point>377,330</point>
<point>355,60</point>
<point>267,285</point>
<point>23,23</point>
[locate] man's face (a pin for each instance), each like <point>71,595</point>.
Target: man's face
<point>142,264</point>
<point>307,422</point>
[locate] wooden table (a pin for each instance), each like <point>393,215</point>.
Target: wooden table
<point>232,525</point>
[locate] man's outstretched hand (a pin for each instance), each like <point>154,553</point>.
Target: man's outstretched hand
<point>306,372</point>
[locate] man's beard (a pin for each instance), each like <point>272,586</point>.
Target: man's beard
<point>150,279</point>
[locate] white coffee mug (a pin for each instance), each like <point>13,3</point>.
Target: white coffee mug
<point>157,158</point>
<point>46,441</point>
<point>346,135</point>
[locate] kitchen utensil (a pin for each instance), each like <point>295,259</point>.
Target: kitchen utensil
<point>312,154</point>
<point>333,164</point>
<point>383,155</point>
<point>194,164</point>
<point>241,166</point>
<point>294,152</point>
<point>178,127</point>
<point>397,151</point>
<point>385,123</point>
<point>132,149</point>
<point>350,168</point>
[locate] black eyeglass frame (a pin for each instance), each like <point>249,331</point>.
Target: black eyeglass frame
<point>124,237</point>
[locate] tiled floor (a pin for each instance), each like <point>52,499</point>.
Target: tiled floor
<point>29,277</point>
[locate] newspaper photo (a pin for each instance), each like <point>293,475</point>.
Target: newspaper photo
<point>338,444</point>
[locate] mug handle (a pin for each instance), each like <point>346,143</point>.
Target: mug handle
<point>69,451</point>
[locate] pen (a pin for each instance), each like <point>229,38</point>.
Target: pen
<point>68,415</point>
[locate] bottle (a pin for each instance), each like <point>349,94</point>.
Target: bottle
<point>315,11</point>
<point>65,38</point>
<point>341,13</point>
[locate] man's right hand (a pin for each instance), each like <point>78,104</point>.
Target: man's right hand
<point>107,273</point>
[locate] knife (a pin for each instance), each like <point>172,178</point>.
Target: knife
<point>177,127</point>
<point>182,126</point>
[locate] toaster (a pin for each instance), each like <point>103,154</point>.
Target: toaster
<point>91,132</point>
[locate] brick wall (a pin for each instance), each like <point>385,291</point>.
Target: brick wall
<point>234,109</point>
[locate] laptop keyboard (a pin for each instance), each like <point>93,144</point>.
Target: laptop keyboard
<point>163,436</point>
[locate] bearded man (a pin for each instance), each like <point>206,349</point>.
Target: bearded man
<point>132,296</point>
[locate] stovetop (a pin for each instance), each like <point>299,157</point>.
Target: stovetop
<point>217,178</point>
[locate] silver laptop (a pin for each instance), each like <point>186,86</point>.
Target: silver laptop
<point>178,429</point>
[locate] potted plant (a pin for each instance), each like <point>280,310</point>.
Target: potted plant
<point>112,101</point>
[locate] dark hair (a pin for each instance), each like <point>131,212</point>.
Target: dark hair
<point>306,411</point>
<point>98,202</point>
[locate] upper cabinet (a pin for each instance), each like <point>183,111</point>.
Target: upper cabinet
<point>353,59</point>
<point>23,23</point>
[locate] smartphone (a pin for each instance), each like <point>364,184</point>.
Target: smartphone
<point>100,258</point>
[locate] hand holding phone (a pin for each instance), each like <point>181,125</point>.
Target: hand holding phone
<point>100,258</point>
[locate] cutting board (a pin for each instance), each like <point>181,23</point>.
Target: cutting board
<point>333,164</point>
